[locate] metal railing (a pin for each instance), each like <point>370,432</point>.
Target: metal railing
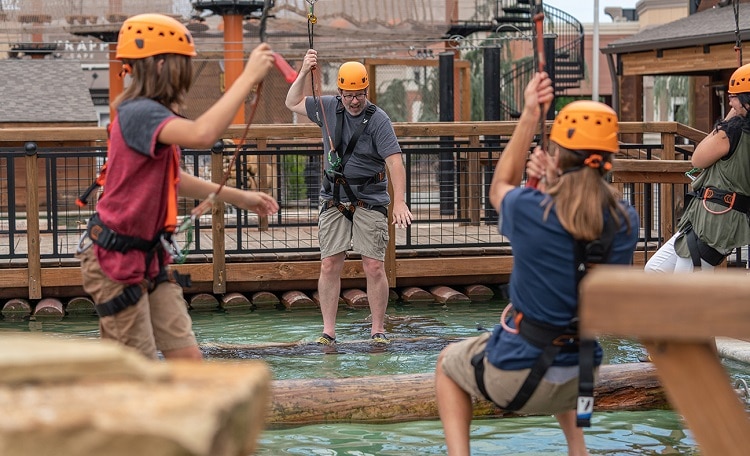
<point>449,170</point>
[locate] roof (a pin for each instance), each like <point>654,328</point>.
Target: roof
<point>712,26</point>
<point>41,91</point>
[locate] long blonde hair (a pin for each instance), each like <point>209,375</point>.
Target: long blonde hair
<point>168,85</point>
<point>581,194</point>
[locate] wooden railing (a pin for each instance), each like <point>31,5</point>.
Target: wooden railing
<point>642,165</point>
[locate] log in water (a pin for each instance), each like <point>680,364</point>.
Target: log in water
<point>411,397</point>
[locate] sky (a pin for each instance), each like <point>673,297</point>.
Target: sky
<point>583,10</point>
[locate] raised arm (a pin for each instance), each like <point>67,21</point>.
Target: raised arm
<point>295,98</point>
<point>509,170</point>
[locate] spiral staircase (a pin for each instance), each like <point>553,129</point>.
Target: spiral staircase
<point>515,17</point>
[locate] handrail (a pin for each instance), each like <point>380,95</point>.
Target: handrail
<point>76,135</point>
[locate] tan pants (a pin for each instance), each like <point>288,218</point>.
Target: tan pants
<point>159,320</point>
<point>556,393</point>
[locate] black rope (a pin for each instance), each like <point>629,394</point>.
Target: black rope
<point>738,40</point>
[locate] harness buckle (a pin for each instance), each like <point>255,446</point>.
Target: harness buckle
<point>565,339</point>
<point>729,199</point>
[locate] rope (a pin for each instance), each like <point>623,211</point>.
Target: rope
<point>317,85</point>
<point>179,255</point>
<point>738,40</point>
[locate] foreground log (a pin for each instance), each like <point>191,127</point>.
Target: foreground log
<point>411,397</point>
<point>80,397</point>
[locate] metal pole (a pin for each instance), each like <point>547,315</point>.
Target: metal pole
<point>595,55</point>
<point>446,79</point>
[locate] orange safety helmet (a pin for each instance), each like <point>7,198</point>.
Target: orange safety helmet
<point>146,35</point>
<point>740,80</point>
<point>586,125</point>
<point>353,76</point>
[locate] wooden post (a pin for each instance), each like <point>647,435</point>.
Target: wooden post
<point>33,236</point>
<point>217,228</point>
<point>677,316</point>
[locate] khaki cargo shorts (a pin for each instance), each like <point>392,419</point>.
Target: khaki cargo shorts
<point>367,235</point>
<point>556,393</point>
<point>159,320</point>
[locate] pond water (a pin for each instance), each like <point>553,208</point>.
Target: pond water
<point>418,332</point>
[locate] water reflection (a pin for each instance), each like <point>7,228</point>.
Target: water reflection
<point>284,339</point>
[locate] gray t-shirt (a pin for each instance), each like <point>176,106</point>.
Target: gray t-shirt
<point>376,142</point>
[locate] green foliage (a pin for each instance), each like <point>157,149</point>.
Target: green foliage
<point>294,171</point>
<point>669,88</point>
<point>429,87</point>
<point>392,100</point>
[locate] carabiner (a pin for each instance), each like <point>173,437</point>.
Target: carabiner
<point>170,246</point>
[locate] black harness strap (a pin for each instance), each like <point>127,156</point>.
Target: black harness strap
<point>556,339</point>
<point>700,250</point>
<point>108,239</point>
<point>731,200</point>
<point>335,176</point>
<point>131,294</point>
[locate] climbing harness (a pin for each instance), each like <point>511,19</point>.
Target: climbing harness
<point>335,178</point>
<point>164,243</point>
<point>553,340</point>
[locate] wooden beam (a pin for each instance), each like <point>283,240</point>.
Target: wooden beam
<point>677,316</point>
<point>690,60</point>
<point>698,386</point>
<point>675,306</point>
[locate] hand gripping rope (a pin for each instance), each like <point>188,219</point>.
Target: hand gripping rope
<point>333,159</point>
<point>540,65</point>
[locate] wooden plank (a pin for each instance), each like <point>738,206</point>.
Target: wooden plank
<point>679,60</point>
<point>682,307</point>
<point>650,171</point>
<point>32,225</point>
<point>700,389</point>
<point>217,228</point>
<point>447,267</point>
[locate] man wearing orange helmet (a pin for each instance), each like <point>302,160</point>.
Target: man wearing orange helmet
<point>530,363</point>
<point>138,299</point>
<point>715,220</point>
<point>354,197</point>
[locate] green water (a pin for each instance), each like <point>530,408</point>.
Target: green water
<point>612,433</point>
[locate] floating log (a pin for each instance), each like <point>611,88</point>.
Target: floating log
<point>356,299</point>
<point>416,295</point>
<point>235,301</point>
<point>296,300</point>
<point>80,306</point>
<point>215,350</point>
<point>49,308</point>
<point>447,295</point>
<point>16,309</point>
<point>478,293</point>
<point>392,295</point>
<point>204,302</point>
<point>411,397</point>
<point>265,299</point>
